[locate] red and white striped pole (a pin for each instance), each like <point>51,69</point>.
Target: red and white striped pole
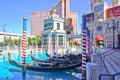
<point>84,36</point>
<point>24,48</point>
<point>50,45</point>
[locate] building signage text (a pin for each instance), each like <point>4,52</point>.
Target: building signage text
<point>48,24</point>
<point>113,12</point>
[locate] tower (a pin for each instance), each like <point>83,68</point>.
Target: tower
<point>115,2</point>
<point>93,2</point>
<point>54,36</point>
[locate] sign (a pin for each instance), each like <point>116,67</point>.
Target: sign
<point>75,36</point>
<point>99,37</point>
<point>90,17</point>
<point>69,21</point>
<point>69,26</point>
<point>48,24</point>
<point>113,12</point>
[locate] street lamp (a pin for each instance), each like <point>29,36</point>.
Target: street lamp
<point>4,32</point>
<point>113,27</point>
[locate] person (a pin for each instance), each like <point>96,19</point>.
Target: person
<point>67,51</point>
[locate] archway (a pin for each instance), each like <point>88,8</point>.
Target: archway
<point>118,41</point>
<point>100,40</point>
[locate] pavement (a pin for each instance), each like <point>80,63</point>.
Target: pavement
<point>112,63</point>
<point>109,63</point>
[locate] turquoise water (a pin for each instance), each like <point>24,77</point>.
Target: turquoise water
<point>9,72</point>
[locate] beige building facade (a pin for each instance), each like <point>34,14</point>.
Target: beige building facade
<point>62,9</point>
<point>105,23</point>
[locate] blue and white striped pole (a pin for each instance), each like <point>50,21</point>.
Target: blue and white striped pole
<point>88,43</point>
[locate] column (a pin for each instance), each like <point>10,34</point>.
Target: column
<point>63,42</point>
<point>50,44</point>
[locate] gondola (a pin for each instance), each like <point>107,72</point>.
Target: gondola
<point>45,67</point>
<point>77,56</point>
<point>54,55</point>
<point>71,58</point>
<point>49,60</point>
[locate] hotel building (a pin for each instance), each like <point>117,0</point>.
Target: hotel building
<point>63,10</point>
<point>104,23</point>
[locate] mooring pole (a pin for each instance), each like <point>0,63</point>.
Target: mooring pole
<point>24,49</point>
<point>84,47</point>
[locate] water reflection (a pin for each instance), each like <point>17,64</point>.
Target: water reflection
<point>10,72</point>
<point>32,75</point>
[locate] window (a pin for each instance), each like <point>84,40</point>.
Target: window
<point>60,40</point>
<point>58,26</point>
<point>116,2</point>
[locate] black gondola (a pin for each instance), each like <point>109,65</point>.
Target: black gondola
<point>71,58</point>
<point>49,60</point>
<point>46,67</point>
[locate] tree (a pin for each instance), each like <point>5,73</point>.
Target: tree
<point>16,42</point>
<point>71,42</point>
<point>33,41</point>
<point>38,40</point>
<point>10,41</point>
<point>5,40</point>
<point>29,41</point>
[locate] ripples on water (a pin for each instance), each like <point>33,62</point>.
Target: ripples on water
<point>10,72</point>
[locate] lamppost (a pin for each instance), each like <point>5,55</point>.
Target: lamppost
<point>113,27</point>
<point>4,32</point>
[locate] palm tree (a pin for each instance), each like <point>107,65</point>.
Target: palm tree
<point>71,42</point>
<point>33,41</point>
<point>10,41</point>
<point>38,40</point>
<point>29,41</point>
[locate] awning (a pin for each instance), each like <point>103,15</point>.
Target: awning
<point>99,37</point>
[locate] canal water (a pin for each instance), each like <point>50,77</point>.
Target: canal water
<point>10,72</point>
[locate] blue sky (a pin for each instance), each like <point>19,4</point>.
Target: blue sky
<point>13,11</point>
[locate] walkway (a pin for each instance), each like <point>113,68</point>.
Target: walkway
<point>112,63</point>
<point>109,63</point>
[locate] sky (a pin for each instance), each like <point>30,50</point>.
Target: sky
<point>12,12</point>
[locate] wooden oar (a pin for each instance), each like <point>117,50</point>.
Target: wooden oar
<point>68,60</point>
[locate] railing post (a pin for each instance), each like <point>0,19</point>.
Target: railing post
<point>100,77</point>
<point>94,58</point>
<point>91,71</point>
<point>114,77</point>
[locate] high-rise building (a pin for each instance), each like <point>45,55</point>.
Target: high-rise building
<point>62,9</point>
<point>37,22</point>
